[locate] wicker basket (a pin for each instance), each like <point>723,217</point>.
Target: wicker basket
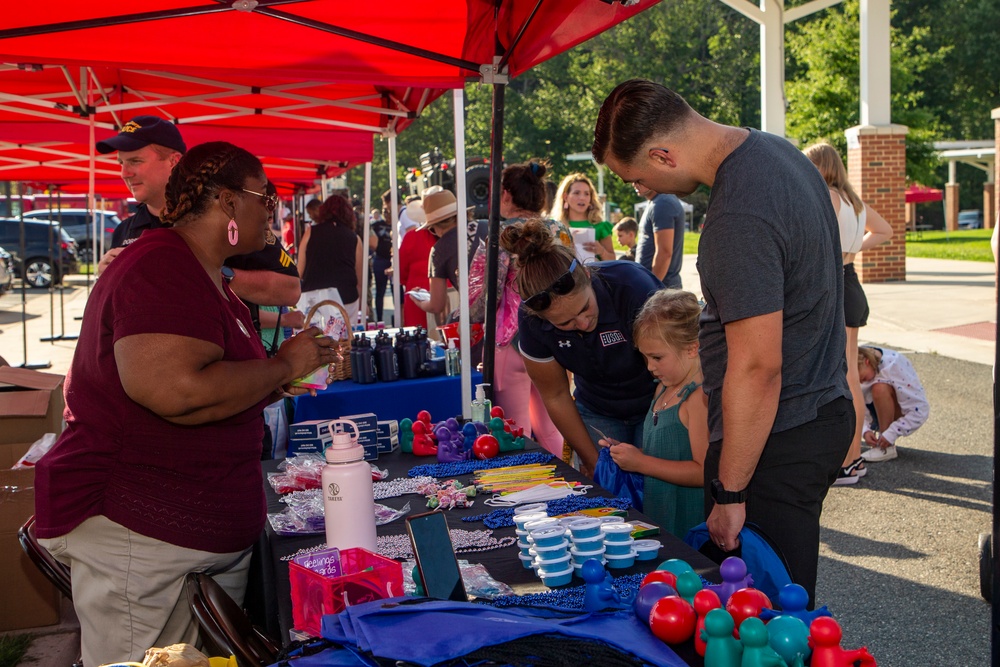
<point>342,368</point>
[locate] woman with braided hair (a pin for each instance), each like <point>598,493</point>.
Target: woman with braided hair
<point>157,473</point>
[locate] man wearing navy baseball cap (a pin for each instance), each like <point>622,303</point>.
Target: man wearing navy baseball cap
<point>148,148</point>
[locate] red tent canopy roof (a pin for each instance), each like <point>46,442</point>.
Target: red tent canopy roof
<point>919,194</point>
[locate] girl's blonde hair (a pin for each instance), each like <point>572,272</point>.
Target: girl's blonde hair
<point>671,316</point>
<point>559,206</point>
<point>870,355</point>
<point>831,168</point>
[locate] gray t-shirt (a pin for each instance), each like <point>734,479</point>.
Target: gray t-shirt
<point>771,242</point>
<point>662,213</point>
<point>444,255</point>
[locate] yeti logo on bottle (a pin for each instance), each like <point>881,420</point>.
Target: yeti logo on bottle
<point>333,492</point>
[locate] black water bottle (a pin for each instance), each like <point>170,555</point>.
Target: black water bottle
<point>366,361</point>
<point>409,360</point>
<point>423,349</point>
<point>385,359</point>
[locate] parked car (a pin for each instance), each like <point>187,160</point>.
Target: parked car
<point>971,219</point>
<point>6,271</point>
<point>77,222</point>
<point>39,263</point>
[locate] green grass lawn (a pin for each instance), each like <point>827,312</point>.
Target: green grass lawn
<point>967,244</point>
<point>13,648</point>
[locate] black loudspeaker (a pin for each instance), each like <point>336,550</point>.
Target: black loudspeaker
<point>477,189</point>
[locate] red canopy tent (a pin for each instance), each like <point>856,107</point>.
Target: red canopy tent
<point>389,43</point>
<point>920,194</point>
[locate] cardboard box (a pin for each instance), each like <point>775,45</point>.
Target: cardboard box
<point>371,452</point>
<point>366,438</point>
<point>298,446</point>
<point>317,428</point>
<point>27,598</point>
<point>388,428</point>
<point>31,405</point>
<point>366,421</point>
<point>388,445</point>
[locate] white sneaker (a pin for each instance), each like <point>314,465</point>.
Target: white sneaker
<point>877,454</point>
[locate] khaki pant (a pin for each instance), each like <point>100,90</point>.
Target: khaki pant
<point>128,589</point>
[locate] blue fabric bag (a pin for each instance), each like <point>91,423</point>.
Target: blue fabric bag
<point>764,563</point>
<point>610,477</point>
<point>423,631</point>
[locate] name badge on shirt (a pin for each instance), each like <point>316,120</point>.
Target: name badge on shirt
<point>609,338</point>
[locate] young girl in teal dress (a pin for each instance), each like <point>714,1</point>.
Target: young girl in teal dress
<point>675,434</point>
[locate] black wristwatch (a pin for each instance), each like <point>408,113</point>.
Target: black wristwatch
<point>723,497</point>
<point>228,274</point>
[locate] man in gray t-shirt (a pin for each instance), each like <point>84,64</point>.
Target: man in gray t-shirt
<point>772,331</point>
<point>660,247</point>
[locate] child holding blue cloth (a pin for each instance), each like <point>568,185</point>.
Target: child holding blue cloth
<point>675,433</point>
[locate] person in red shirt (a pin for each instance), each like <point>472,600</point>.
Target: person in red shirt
<point>414,256</point>
<point>157,473</point>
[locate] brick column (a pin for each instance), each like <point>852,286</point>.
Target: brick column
<point>876,166</point>
<point>989,212</point>
<point>951,206</point>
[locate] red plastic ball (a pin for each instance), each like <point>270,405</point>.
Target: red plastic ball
<point>745,603</point>
<point>485,447</point>
<point>672,619</point>
<point>496,411</point>
<point>424,416</point>
<point>660,575</point>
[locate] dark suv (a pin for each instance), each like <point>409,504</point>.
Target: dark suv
<point>77,222</point>
<point>39,262</point>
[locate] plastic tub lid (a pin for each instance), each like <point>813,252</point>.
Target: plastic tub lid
<point>585,523</point>
<point>630,554</point>
<point>547,564</point>
<point>540,523</point>
<point>521,519</point>
<point>647,545</point>
<point>611,518</point>
<point>553,575</point>
<point>584,554</point>
<point>554,547</point>
<point>617,528</point>
<point>547,532</point>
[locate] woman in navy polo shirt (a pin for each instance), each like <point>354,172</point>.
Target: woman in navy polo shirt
<point>579,319</point>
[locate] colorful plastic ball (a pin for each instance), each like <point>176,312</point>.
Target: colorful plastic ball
<point>648,596</point>
<point>789,637</point>
<point>665,576</point>
<point>675,565</point>
<point>672,619</point>
<point>745,603</point>
<point>485,447</point>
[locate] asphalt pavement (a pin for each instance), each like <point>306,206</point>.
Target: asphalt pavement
<point>899,557</point>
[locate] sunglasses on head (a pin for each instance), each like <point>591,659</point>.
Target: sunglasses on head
<point>561,286</point>
<point>270,201</point>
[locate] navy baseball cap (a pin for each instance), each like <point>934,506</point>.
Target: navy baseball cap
<point>142,131</point>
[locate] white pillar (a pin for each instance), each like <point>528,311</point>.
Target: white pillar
<point>366,234</point>
<point>876,108</point>
<point>458,97</point>
<point>772,67</point>
<point>397,307</point>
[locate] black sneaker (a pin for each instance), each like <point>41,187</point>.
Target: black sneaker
<point>858,467</point>
<point>846,476</point>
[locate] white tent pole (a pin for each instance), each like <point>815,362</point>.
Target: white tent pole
<point>458,95</point>
<point>365,253</point>
<point>397,307</point>
<point>95,247</point>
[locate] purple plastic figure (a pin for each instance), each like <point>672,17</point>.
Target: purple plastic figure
<point>734,577</point>
<point>793,600</point>
<point>449,446</point>
<point>599,594</point>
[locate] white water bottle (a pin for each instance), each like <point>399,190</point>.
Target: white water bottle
<point>348,498</point>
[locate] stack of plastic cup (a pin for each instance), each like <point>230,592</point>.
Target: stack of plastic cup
<point>618,545</point>
<point>523,540</point>
<point>550,551</point>
<point>588,541</point>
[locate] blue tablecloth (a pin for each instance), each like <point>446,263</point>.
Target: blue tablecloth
<point>441,396</point>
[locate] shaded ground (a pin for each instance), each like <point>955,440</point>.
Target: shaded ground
<point>899,558</point>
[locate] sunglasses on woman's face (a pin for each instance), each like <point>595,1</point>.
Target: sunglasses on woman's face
<point>561,286</point>
<point>270,201</point>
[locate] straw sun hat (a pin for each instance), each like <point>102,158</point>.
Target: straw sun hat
<point>438,206</point>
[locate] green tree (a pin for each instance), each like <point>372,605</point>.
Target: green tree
<point>822,86</point>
